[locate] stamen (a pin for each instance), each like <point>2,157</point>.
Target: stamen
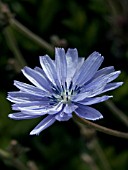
<point>75,88</point>
<point>72,92</point>
<point>58,88</point>
<point>53,97</point>
<point>52,103</point>
<point>62,88</point>
<point>78,91</point>
<point>66,93</point>
<point>55,90</point>
<point>70,86</point>
<point>65,85</point>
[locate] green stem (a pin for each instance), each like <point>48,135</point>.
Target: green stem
<point>117,112</point>
<point>24,30</point>
<point>101,128</point>
<point>11,41</point>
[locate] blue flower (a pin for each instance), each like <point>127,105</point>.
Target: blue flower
<point>68,84</point>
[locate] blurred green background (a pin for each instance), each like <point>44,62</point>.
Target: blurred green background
<point>90,25</point>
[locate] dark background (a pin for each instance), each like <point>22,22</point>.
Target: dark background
<point>91,25</point>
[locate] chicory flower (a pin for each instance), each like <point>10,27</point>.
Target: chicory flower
<point>68,84</point>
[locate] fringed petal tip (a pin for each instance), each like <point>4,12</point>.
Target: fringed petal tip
<point>34,132</point>
<point>59,48</point>
<point>97,118</point>
<point>109,97</point>
<point>121,83</point>
<point>45,123</point>
<point>23,69</point>
<point>98,54</point>
<point>10,116</point>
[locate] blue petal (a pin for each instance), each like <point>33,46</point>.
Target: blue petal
<point>69,108</point>
<point>78,66</point>
<point>31,105</point>
<point>80,63</point>
<point>19,97</point>
<point>42,110</point>
<point>97,86</point>
<point>113,76</point>
<point>88,69</point>
<point>51,84</point>
<point>72,62</point>
<point>94,89</point>
<point>36,78</point>
<point>90,101</point>
<point>45,123</point>
<point>24,87</point>
<point>49,68</point>
<point>112,86</point>
<point>87,112</point>
<point>95,83</point>
<point>21,116</point>
<point>42,73</point>
<point>61,65</point>
<point>63,116</point>
<point>104,71</point>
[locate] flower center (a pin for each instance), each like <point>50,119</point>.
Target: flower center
<point>66,96</point>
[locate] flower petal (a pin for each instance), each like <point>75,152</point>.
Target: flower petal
<point>69,108</point>
<point>104,71</point>
<point>88,69</point>
<point>113,76</point>
<point>80,63</point>
<point>21,116</point>
<point>45,123</point>
<point>19,97</point>
<point>37,79</point>
<point>61,65</point>
<point>24,87</point>
<point>112,86</point>
<point>87,112</point>
<point>90,101</point>
<point>94,89</point>
<point>51,84</point>
<point>97,85</point>
<point>42,110</point>
<point>42,73</point>
<point>49,68</point>
<point>63,116</point>
<point>72,61</point>
<point>31,105</point>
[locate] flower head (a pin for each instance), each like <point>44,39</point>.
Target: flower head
<point>68,84</point>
